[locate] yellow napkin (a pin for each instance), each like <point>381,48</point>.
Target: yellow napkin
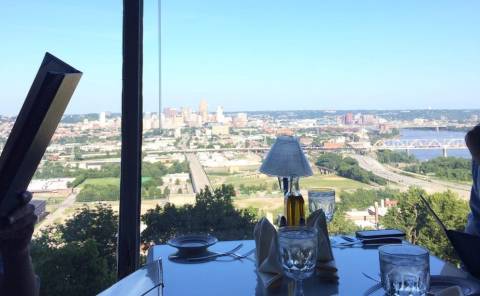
<point>269,267</point>
<point>450,291</point>
<point>326,269</point>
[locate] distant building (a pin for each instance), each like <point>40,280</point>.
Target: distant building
<point>384,128</point>
<point>56,185</point>
<point>333,145</point>
<point>218,130</point>
<point>284,132</point>
<point>219,115</point>
<point>170,112</point>
<point>170,179</point>
<point>361,218</point>
<point>177,133</point>
<point>370,217</point>
<point>307,141</point>
<point>40,208</point>
<point>203,110</point>
<point>195,120</point>
<point>240,120</point>
<point>102,118</point>
<point>186,113</point>
<point>349,120</point>
<point>369,119</point>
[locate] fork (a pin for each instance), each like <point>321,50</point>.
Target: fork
<point>238,256</point>
<point>229,253</point>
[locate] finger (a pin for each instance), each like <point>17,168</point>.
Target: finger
<point>25,197</point>
<point>19,227</point>
<point>21,212</point>
<point>19,238</point>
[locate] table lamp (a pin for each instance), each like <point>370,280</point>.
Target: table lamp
<point>288,163</point>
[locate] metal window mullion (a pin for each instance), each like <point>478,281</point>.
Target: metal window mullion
<point>131,156</point>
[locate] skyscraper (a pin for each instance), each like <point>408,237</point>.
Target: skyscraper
<point>102,118</point>
<point>219,116</point>
<point>349,118</point>
<point>203,110</point>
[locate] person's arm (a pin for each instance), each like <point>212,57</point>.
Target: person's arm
<point>473,222</point>
<point>472,139</point>
<point>18,278</point>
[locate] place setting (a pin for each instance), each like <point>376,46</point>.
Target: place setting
<point>295,253</point>
<point>405,270</point>
<point>193,248</point>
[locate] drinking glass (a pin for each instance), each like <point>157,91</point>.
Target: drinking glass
<point>298,251</point>
<point>322,198</point>
<point>404,269</point>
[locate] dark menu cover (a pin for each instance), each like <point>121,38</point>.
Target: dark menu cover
<point>38,119</point>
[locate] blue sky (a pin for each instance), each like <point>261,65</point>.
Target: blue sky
<point>255,55</point>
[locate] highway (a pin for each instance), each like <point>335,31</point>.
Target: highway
<point>59,212</point>
<point>429,185</point>
<point>197,173</point>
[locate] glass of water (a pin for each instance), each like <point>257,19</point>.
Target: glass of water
<point>322,198</point>
<point>405,270</point>
<point>298,251</point>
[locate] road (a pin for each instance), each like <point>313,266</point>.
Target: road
<point>197,173</point>
<point>59,212</point>
<point>393,175</point>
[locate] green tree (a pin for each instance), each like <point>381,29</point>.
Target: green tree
<point>212,213</point>
<point>92,193</point>
<point>363,198</point>
<point>77,153</point>
<point>71,269</point>
<point>412,216</point>
<point>99,224</point>
<point>349,168</point>
<point>166,192</point>
<point>451,168</point>
<point>341,225</point>
<point>389,156</point>
<point>78,257</point>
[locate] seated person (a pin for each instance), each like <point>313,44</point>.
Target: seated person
<point>16,271</point>
<point>472,139</point>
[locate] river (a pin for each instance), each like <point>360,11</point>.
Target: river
<point>406,134</point>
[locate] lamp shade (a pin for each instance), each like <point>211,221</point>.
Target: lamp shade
<point>286,159</point>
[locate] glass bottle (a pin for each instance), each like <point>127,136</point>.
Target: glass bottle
<point>293,201</point>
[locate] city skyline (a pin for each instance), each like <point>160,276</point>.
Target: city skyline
<point>256,56</point>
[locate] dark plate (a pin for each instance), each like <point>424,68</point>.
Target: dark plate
<point>189,245</point>
<point>186,258</point>
<point>438,283</point>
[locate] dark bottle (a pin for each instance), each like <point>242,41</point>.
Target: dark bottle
<point>293,201</point>
<point>283,221</point>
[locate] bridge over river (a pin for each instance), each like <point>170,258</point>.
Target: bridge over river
<point>420,144</point>
<point>388,144</point>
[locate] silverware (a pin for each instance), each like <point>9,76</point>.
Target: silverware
<point>381,241</point>
<point>372,289</point>
<point>370,277</point>
<point>238,256</point>
<point>216,254</point>
<point>349,238</point>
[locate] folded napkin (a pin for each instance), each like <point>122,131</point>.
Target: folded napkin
<point>326,269</point>
<point>269,266</point>
<point>450,291</point>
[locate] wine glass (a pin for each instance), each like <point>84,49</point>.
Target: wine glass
<point>322,198</point>
<point>298,251</point>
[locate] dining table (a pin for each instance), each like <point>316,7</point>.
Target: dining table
<point>358,271</point>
